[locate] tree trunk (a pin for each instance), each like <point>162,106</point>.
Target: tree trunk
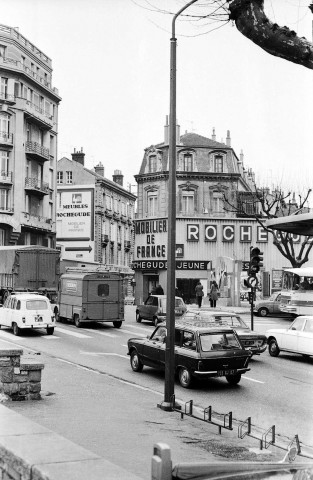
<point>282,42</point>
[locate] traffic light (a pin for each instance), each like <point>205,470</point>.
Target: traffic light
<point>256,259</point>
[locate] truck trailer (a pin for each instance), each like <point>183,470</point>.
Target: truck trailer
<point>26,268</point>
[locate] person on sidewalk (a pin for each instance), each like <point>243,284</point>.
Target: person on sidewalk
<point>199,293</point>
<point>214,294</point>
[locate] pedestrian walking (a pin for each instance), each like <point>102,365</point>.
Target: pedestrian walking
<point>214,294</point>
<point>199,293</point>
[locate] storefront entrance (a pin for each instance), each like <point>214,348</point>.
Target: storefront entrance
<point>187,288</point>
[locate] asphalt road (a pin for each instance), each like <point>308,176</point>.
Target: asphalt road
<point>277,391</point>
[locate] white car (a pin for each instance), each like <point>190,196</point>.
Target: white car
<point>27,311</point>
<point>298,338</point>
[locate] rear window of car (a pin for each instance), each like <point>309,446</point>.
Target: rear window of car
<point>218,341</point>
<point>232,321</point>
<point>36,305</point>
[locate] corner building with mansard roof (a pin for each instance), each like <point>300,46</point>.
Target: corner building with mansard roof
<point>211,243</point>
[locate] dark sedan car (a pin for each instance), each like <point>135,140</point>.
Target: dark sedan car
<point>201,351</point>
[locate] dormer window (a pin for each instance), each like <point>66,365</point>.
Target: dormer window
<point>152,163</point>
<point>187,163</point>
<point>218,164</point>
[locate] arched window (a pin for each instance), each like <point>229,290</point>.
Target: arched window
<point>152,203</point>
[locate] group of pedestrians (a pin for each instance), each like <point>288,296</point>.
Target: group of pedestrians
<point>213,294</point>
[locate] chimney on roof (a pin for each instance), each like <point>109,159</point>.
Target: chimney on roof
<point>79,157</point>
<point>240,161</point>
<point>228,139</point>
<point>167,132</point>
<point>118,177</point>
<point>99,169</point>
<point>213,135</point>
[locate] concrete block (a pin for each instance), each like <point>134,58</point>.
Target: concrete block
<point>31,366</point>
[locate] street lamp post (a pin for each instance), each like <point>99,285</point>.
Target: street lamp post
<point>171,238</point>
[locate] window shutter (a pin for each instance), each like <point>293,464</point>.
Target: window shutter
<point>196,200</point>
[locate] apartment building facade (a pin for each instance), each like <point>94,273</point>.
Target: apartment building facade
<point>95,215</point>
<point>28,142</point>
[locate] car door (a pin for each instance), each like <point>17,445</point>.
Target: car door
<point>149,308</point>
<point>154,348</point>
<point>276,304</point>
<point>290,338</point>
<point>305,338</point>
<point>6,313</point>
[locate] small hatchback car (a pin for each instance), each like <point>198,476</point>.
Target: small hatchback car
<point>154,309</point>
<point>27,311</point>
<point>201,351</point>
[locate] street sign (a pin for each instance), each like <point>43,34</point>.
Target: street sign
<point>252,281</point>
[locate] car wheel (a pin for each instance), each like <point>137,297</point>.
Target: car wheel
<point>16,329</point>
<point>263,312</point>
<point>77,321</point>
<point>138,317</point>
<point>273,348</point>
<point>135,362</point>
<point>155,321</point>
<point>50,330</point>
<point>117,324</point>
<point>185,378</point>
<point>233,379</point>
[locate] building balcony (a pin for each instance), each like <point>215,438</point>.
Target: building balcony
<point>37,115</point>
<point>36,151</point>
<point>35,186</point>
<point>38,221</point>
<point>7,98</point>
<point>6,139</point>
<point>6,177</point>
<point>104,240</point>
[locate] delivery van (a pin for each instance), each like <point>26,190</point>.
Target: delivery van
<point>91,296</point>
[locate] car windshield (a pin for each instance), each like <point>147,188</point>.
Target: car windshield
<point>36,305</point>
<point>218,341</point>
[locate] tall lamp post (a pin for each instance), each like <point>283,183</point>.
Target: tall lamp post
<point>171,239</point>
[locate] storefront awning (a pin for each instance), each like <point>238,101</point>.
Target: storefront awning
<point>301,224</point>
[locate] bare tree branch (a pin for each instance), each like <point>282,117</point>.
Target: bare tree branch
<point>282,42</point>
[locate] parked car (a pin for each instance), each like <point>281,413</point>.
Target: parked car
<point>251,340</point>
<point>23,311</point>
<point>154,309</point>
<point>268,306</point>
<point>202,350</point>
<point>298,338</point>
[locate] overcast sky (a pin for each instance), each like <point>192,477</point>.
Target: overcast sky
<point>111,61</point>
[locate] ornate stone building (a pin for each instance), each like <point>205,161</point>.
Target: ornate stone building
<point>210,241</point>
<point>28,142</point>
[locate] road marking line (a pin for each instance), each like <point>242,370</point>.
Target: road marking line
<point>111,335</point>
<point>137,327</point>
<point>251,379</point>
<point>11,336</point>
<point>51,337</point>
<point>132,333</point>
<point>94,354</point>
<point>74,334</point>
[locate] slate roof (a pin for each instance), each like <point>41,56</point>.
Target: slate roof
<point>195,140</point>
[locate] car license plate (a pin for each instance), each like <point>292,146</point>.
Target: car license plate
<point>223,373</point>
<point>38,319</point>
